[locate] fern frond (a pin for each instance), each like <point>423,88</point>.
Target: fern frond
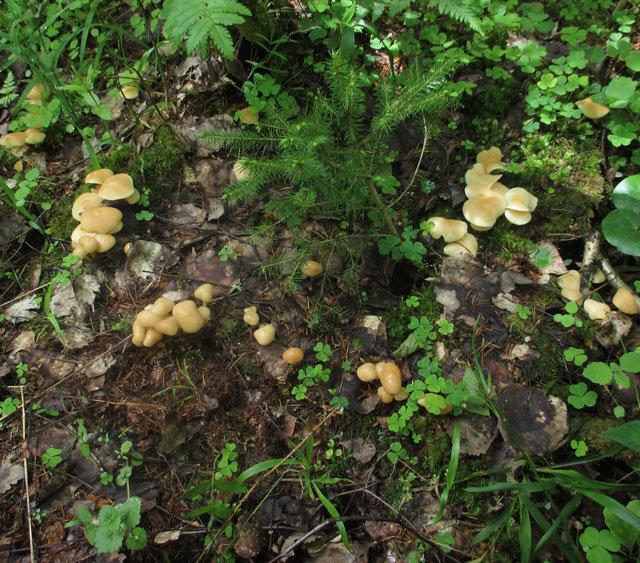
<point>197,21</point>
<point>459,11</point>
<point>8,92</point>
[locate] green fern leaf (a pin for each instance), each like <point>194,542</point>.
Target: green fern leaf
<point>8,91</point>
<point>458,11</point>
<point>197,21</point>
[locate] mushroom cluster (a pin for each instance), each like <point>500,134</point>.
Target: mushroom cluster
<point>165,318</point>
<point>455,234</point>
<point>99,222</point>
<point>488,199</point>
<point>18,140</point>
<point>570,289</point>
<point>390,380</point>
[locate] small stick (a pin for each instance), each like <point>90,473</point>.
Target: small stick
<point>26,476</point>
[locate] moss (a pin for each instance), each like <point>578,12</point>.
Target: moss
<point>568,171</point>
<point>506,240</point>
<point>7,161</point>
<point>397,318</point>
<point>159,167</point>
<point>61,222</point>
<point>118,159</point>
<point>591,429</point>
<point>550,365</point>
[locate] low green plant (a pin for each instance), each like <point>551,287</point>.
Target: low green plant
<point>114,526</point>
<point>621,227</point>
<point>569,318</point>
<point>523,311</point>
<point>575,355</point>
<point>51,458</point>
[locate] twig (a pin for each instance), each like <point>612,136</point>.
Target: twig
<point>26,476</point>
<point>258,481</point>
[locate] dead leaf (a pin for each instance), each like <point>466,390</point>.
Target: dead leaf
<point>557,265</point>
<point>23,310</point>
<point>361,450</point>
<point>10,474</point>
<point>477,433</point>
<point>143,258</point>
<point>165,537</point>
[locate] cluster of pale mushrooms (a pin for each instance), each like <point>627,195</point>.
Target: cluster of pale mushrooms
<point>18,140</point>
<point>99,222</point>
<point>166,318</point>
<point>623,299</point>
<point>487,200</point>
<point>390,380</point>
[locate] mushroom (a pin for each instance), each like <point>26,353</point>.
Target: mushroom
<point>101,220</point>
<point>251,316</point>
<point>402,396</point>
<point>293,355</point>
<point>478,177</point>
<point>248,116</point>
<point>482,212</point>
<point>385,396</point>
<point>98,176</point>
<point>449,229</point>
<point>591,109</point>
<point>367,372</point>
<point>130,92</point>
<point>13,140</point>
<point>83,202</point>
<point>491,159</point>
<point>596,310</point>
<point>151,338</point>
<point>147,318</point>
<point>240,170</point>
<point>265,334</point>
<point>311,269</point>
<point>35,95</point>
<point>34,136</point>
<point>118,186</point>
<point>598,276</point>
<point>519,205</point>
<point>569,284</point>
<point>168,326</point>
<point>204,293</point>
<point>625,302</point>
<point>187,316</point>
<point>162,306</point>
<point>138,333</point>
<point>467,243</point>
<point>134,197</point>
<point>391,378</point>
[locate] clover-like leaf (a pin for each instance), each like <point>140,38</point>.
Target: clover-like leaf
<point>598,372</point>
<point>621,228</point>
<point>630,362</point>
<point>626,195</point>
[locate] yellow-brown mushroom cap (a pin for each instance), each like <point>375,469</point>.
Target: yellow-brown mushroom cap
<point>83,202</point>
<point>591,109</point>
<point>251,316</point>
<point>367,372</point>
<point>625,302</point>
<point>147,318</point>
<point>168,326</point>
<point>569,284</point>
<point>449,229</point>
<point>134,197</point>
<point>385,396</point>
<point>478,176</point>
<point>596,310</point>
<point>162,306</point>
<point>98,176</point>
<point>483,211</point>
<point>491,159</point>
<point>118,186</point>
<point>139,332</point>
<point>467,243</point>
<point>187,316</point>
<point>519,199</point>
<point>13,140</point>
<point>517,217</point>
<point>265,334</point>
<point>311,269</point>
<point>293,355</point>
<point>89,243</point>
<point>34,136</point>
<point>204,293</point>
<point>35,93</point>
<point>391,378</point>
<point>130,92</point>
<point>101,219</point>
<point>249,117</point>
<point>151,338</point>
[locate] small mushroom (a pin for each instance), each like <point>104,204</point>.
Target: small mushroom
<point>293,355</point>
<point>624,301</point>
<point>391,378</point>
<point>591,109</point>
<point>265,334</point>
<point>187,316</point>
<point>118,186</point>
<point>251,316</point>
<point>482,212</point>
<point>402,396</point>
<point>139,332</point>
<point>13,140</point>
<point>34,136</point>
<point>491,159</point>
<point>468,243</point>
<point>162,306</point>
<point>598,276</point>
<point>248,116</point>
<point>569,284</point>
<point>83,202</point>
<point>240,170</point>
<point>478,177</point>
<point>205,312</point>
<point>151,338</point>
<point>147,318</point>
<point>130,92</point>
<point>98,176</point>
<point>449,229</point>
<point>596,310</point>
<point>204,293</point>
<point>519,205</point>
<point>367,372</point>
<point>101,219</point>
<point>385,396</point>
<point>311,269</point>
<point>35,94</point>
<point>168,326</point>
